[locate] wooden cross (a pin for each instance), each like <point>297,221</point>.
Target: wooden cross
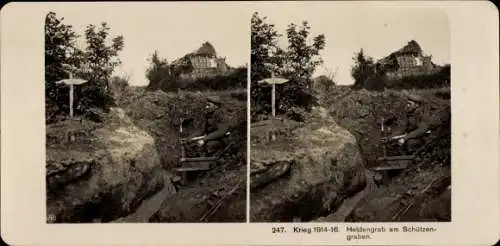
<point>273,81</point>
<point>71,82</point>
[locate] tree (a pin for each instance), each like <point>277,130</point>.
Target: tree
<point>95,64</point>
<point>362,69</point>
<point>300,61</point>
<point>264,47</point>
<point>157,71</point>
<point>119,85</point>
<point>60,44</point>
<point>323,83</point>
<point>297,63</point>
<point>302,58</point>
<point>99,61</point>
<point>264,51</point>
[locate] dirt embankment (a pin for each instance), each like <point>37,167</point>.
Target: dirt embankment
<point>301,171</point>
<point>218,195</point>
<point>118,170</point>
<point>419,193</point>
<point>104,173</point>
<point>360,112</point>
<point>319,170</point>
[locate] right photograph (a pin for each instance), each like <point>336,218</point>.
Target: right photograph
<point>350,115</point>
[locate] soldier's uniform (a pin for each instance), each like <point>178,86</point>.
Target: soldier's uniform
<point>414,117</point>
<point>214,129</point>
<point>418,124</point>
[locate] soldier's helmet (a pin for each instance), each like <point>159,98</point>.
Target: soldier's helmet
<point>414,101</point>
<point>213,102</point>
<point>413,97</point>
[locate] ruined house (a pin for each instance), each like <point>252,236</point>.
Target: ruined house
<point>200,63</point>
<point>407,61</point>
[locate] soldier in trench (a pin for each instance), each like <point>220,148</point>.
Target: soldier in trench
<point>418,126</point>
<point>211,138</point>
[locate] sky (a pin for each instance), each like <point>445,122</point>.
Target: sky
<point>177,28</point>
<point>173,29</point>
<point>378,30</point>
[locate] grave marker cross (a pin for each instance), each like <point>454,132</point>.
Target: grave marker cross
<point>71,82</point>
<point>273,81</point>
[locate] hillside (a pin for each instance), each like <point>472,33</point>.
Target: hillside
<point>325,171</point>
<point>159,113</point>
<point>120,169</point>
<point>418,193</point>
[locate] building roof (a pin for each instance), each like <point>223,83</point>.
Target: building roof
<point>206,49</point>
<point>411,48</point>
<point>386,60</point>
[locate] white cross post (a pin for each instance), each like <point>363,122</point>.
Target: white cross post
<point>273,81</point>
<point>273,96</point>
<point>71,82</point>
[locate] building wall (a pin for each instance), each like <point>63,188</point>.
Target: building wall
<point>428,66</point>
<point>221,65</point>
<point>412,65</point>
<point>205,66</point>
<point>204,62</point>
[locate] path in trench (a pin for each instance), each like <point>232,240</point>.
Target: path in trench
<point>151,205</point>
<point>350,203</point>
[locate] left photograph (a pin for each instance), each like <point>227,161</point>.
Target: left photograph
<point>146,114</point>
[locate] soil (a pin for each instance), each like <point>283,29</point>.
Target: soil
<point>99,171</point>
<point>304,170</point>
<point>217,195</point>
<point>420,192</point>
<point>150,205</point>
<point>154,117</point>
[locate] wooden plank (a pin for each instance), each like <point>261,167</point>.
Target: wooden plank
<point>191,169</point>
<point>399,157</point>
<point>387,168</point>
<point>393,166</point>
<point>200,159</point>
<point>195,166</point>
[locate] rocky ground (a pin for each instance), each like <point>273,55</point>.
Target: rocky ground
<point>103,173</point>
<point>120,170</point>
<point>306,172</point>
<point>420,192</point>
<point>320,169</point>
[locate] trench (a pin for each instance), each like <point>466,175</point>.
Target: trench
<point>149,206</point>
<point>347,206</point>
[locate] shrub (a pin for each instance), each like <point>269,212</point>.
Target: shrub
<point>292,98</point>
<point>362,70</point>
<point>379,82</point>
<point>297,62</point>
<point>435,80</point>
<point>236,79</point>
<point>95,64</point>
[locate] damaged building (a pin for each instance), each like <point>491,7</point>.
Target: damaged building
<point>407,61</point>
<point>201,63</point>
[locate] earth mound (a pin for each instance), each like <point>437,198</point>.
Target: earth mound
<point>301,171</point>
<point>218,194</point>
<point>99,171</point>
<point>361,111</point>
<point>159,113</point>
<point>420,192</point>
